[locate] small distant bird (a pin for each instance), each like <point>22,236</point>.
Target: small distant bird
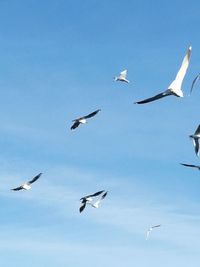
<point>88,199</point>
<point>122,77</point>
<point>175,86</point>
<point>83,119</point>
<point>191,165</point>
<point>195,138</point>
<point>27,185</point>
<point>150,229</point>
<point>194,81</point>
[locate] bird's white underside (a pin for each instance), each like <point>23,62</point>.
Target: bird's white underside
<point>26,186</point>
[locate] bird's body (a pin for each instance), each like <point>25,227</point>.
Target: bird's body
<point>83,120</point>
<point>27,185</point>
<point>175,87</point>
<point>122,77</point>
<point>195,138</point>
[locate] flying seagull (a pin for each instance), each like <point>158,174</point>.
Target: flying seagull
<point>27,185</point>
<point>195,138</point>
<point>96,204</point>
<point>191,165</point>
<point>122,77</point>
<point>83,119</point>
<point>194,81</point>
<point>150,229</point>
<point>175,86</point>
<point>88,200</point>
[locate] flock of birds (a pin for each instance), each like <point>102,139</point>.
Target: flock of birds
<point>175,89</point>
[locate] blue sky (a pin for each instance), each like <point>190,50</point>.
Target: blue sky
<point>58,60</point>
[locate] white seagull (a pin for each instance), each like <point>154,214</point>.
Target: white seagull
<point>195,138</point>
<point>88,200</point>
<point>191,165</point>
<point>27,185</point>
<point>150,229</point>
<point>194,81</point>
<point>122,77</point>
<point>175,86</point>
<point>83,119</point>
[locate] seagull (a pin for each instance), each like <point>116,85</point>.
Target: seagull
<point>88,199</point>
<point>191,165</point>
<point>195,138</point>
<point>122,77</point>
<point>27,185</point>
<point>96,204</point>
<point>194,81</point>
<point>175,86</point>
<point>83,119</point>
<point>150,229</point>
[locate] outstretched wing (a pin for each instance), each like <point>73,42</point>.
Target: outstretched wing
<point>35,178</point>
<point>182,71</point>
<point>91,114</point>
<point>194,81</point>
<point>17,188</point>
<point>155,226</point>
<point>196,146</point>
<point>82,207</point>
<point>156,97</point>
<point>148,233</point>
<point>190,165</point>
<point>97,193</point>
<point>197,130</point>
<point>75,125</point>
<point>104,195</point>
<point>96,204</point>
<point>92,195</point>
<point>123,74</point>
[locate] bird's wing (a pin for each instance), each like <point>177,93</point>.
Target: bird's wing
<point>97,193</point>
<point>35,178</point>
<point>197,130</point>
<point>196,145</point>
<point>158,225</point>
<point>82,207</point>
<point>189,165</point>
<point>182,71</point>
<point>75,125</point>
<point>91,114</point>
<point>156,97</point>
<point>92,195</point>
<point>104,195</point>
<point>123,74</point>
<point>194,81</point>
<point>96,204</point>
<point>148,233</point>
<point>17,188</point>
